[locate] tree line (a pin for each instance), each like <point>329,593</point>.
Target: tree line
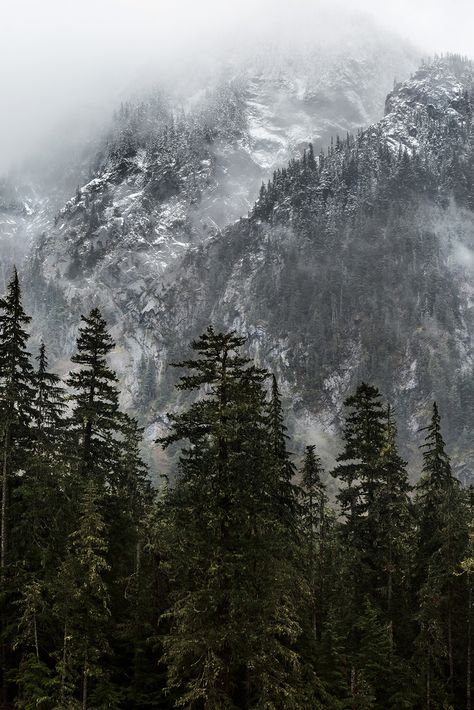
<point>237,584</point>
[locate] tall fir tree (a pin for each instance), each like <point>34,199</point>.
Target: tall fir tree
<point>359,469</point>
<point>392,511</point>
<point>49,405</point>
<point>442,541</point>
<point>16,413</point>
<point>230,557</point>
<point>41,528</point>
<point>313,503</point>
<point>81,605</point>
<point>96,419</point>
<point>376,533</point>
<point>106,442</point>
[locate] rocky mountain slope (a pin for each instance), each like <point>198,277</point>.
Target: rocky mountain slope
<point>355,263</point>
<point>168,177</point>
<point>358,264</point>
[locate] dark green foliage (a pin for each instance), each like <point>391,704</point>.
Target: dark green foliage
<point>362,477</point>
<point>443,518</point>
<point>350,267</point>
<point>230,545</point>
<point>16,412</point>
<point>95,417</point>
<point>81,603</point>
<point>235,588</point>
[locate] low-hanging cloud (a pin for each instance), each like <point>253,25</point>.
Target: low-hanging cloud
<point>64,63</point>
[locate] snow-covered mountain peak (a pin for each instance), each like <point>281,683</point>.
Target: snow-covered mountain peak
<point>439,90</point>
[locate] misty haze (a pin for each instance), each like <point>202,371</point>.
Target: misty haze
<point>236,355</point>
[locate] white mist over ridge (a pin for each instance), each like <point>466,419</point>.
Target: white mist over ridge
<point>64,67</point>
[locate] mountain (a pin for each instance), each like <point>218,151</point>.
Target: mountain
<point>178,166</point>
<point>357,265</point>
<point>353,264</point>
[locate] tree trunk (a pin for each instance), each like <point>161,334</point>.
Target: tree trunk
<point>3,531</point>
<point>84,684</point>
<point>63,669</point>
<point>354,688</point>
<point>450,645</point>
<point>469,646</point>
<point>428,684</point>
<point>3,553</point>
<point>35,632</point>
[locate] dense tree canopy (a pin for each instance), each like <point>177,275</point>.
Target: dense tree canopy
<point>238,583</point>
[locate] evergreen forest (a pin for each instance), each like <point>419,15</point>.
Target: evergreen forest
<point>238,582</point>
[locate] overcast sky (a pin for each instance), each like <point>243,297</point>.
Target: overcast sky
<point>63,57</point>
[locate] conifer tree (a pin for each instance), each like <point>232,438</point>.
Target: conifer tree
<point>49,404</point>
<point>16,395</point>
<point>82,604</point>
<point>39,492</point>
<point>442,540</point>
<point>233,611</point>
<point>95,420</point>
<point>393,520</point>
<point>360,471</point>
<point>41,528</point>
<point>376,533</point>
<point>280,460</point>
<point>313,504</point>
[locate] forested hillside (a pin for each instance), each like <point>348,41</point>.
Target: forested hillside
<point>172,174</point>
<point>356,264</point>
<point>236,584</point>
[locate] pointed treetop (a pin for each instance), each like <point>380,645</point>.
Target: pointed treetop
<point>436,463</point>
<point>94,341</point>
<point>312,469</point>
<point>11,303</point>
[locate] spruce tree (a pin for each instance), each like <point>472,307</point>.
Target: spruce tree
<point>95,420</point>
<point>230,557</point>
<point>360,472</point>
<point>442,540</point>
<point>392,512</point>
<point>16,396</point>
<point>313,504</point>
<point>280,459</point>
<point>107,445</point>
<point>81,605</point>
<point>376,533</point>
<point>39,493</point>
<point>41,527</point>
<point>49,405</point>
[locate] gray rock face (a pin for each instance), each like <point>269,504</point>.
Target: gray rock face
<point>323,305</point>
<point>166,180</point>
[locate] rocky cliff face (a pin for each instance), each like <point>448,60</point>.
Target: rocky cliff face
<point>355,264</point>
<point>169,176</point>
<point>358,265</point>
<point>166,178</point>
